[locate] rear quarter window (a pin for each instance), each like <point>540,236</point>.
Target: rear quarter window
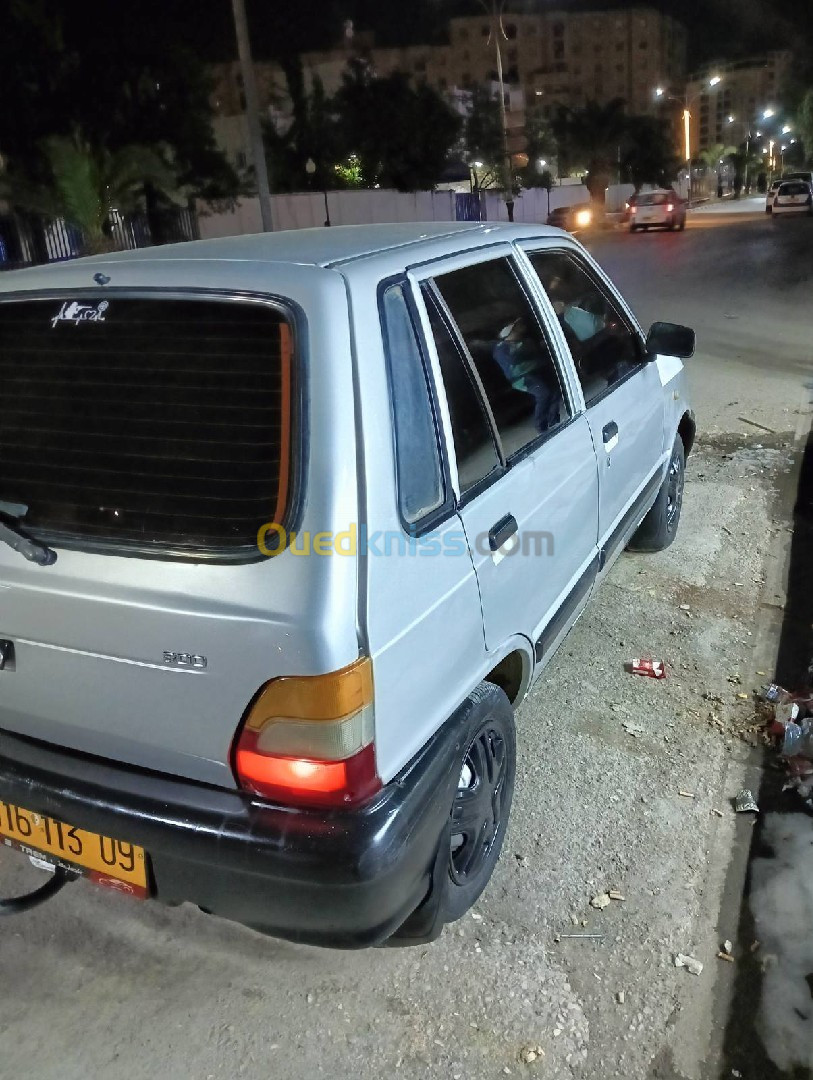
<point>160,425</point>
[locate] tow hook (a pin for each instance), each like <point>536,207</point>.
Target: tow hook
<point>15,905</point>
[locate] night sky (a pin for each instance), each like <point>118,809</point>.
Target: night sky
<point>718,29</point>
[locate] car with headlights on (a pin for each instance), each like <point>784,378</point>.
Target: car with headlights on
<point>573,219</point>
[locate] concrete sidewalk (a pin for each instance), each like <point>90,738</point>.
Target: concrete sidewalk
<point>750,204</point>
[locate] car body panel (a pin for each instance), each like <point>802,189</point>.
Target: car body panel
<point>793,197</point>
<point>91,695</point>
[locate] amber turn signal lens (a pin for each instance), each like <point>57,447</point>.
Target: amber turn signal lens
<point>334,696</point>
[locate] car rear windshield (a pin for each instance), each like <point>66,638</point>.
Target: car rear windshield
<point>158,424</point>
<point>653,199</point>
<point>797,188</point>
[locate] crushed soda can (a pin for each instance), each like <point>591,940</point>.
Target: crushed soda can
<point>745,801</point>
<point>772,692</point>
<point>655,669</point>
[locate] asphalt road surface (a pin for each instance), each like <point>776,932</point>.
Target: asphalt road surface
<point>93,984</point>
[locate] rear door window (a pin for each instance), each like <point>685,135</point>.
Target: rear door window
<point>475,449</point>
<point>508,349</point>
<point>162,425</point>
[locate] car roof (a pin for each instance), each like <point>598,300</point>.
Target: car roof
<point>326,247</point>
<point>794,181</point>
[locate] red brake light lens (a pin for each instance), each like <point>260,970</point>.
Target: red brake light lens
<point>670,208</point>
<point>306,781</point>
<point>308,740</point>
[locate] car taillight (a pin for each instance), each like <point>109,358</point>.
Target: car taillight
<point>633,209</point>
<point>670,208</point>
<point>308,740</point>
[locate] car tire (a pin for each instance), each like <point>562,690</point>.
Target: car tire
<point>659,528</point>
<point>482,802</point>
<point>633,228</point>
<point>682,225</point>
<point>486,713</point>
<point>768,209</point>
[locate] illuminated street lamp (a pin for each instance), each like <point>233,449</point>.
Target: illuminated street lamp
<point>310,169</point>
<point>687,103</point>
<point>786,129</point>
<point>767,113</point>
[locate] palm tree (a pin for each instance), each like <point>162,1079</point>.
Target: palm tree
<point>714,156</point>
<point>84,185</point>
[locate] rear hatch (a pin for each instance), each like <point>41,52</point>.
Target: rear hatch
<point>145,440</point>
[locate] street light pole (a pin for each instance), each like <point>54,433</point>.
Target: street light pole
<point>253,112</point>
<point>310,169</point>
<point>496,30</point>
<point>687,102</point>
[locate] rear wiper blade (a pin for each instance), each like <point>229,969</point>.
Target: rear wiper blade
<point>29,549</point>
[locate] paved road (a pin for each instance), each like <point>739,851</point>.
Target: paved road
<point>95,985</point>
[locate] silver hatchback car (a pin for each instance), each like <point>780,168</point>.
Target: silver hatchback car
<point>290,524</point>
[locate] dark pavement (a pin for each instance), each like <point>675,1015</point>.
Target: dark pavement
<point>746,287</point>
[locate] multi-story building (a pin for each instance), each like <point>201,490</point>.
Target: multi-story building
<point>725,112</point>
<point>569,58</point>
<point>554,59</point>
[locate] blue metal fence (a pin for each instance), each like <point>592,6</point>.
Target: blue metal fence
<point>469,206</point>
<point>29,240</point>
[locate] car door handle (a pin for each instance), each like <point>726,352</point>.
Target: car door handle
<point>609,432</point>
<point>502,532</point>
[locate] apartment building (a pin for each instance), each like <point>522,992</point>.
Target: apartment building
<point>569,58</point>
<point>554,59</point>
<point>725,112</point>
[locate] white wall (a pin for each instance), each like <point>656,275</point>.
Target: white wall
<point>617,195</point>
<point>532,205</point>
<point>302,211</point>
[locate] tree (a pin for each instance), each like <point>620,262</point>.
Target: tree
<point>804,121</point>
<point>590,139</point>
<point>714,156</point>
<point>484,138</point>
<point>122,77</point>
<point>401,134</point>
<point>312,134</point>
<point>540,145</point>
<point>747,165</point>
<point>84,185</point>
<point>648,153</point>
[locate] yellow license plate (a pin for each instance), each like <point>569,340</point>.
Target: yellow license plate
<point>114,863</point>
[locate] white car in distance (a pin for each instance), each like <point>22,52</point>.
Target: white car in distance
<point>793,197</point>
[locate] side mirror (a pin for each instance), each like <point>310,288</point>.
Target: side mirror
<point>670,339</point>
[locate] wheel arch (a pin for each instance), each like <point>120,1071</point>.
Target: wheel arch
<point>512,673</point>
<point>687,429</point>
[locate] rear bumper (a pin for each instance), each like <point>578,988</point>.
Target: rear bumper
<point>343,879</point>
